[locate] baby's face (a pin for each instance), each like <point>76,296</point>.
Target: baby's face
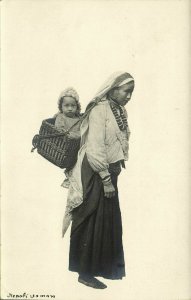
<point>69,106</point>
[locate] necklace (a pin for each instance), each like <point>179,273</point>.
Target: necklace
<point>120,118</point>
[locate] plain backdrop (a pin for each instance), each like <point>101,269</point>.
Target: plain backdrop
<point>50,45</point>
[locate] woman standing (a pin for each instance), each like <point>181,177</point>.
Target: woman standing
<point>96,247</point>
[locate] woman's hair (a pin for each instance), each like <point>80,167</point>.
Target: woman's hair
<point>69,92</point>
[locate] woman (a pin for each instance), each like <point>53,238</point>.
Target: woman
<point>96,235</point>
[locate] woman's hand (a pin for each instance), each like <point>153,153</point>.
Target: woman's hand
<point>109,190</point>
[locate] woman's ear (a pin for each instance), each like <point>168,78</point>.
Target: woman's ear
<point>116,93</point>
<point>113,94</point>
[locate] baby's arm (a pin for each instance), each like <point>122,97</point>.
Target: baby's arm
<point>59,124</point>
<point>75,133</point>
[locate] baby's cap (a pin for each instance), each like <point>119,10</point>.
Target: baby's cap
<point>69,92</point>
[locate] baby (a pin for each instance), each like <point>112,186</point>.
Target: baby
<point>69,113</point>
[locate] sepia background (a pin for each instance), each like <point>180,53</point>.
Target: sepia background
<point>48,46</point>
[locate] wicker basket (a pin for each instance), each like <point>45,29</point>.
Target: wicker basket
<point>55,145</point>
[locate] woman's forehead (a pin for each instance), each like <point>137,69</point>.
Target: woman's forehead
<point>127,86</point>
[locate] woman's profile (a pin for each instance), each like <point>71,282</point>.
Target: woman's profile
<point>96,247</point>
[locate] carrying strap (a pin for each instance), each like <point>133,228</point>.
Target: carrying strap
<point>38,137</point>
<point>94,102</point>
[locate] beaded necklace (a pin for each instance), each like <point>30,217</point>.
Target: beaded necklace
<point>120,118</point>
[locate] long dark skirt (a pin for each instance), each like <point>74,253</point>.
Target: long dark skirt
<point>96,236</point>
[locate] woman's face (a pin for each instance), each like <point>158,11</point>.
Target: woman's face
<point>69,106</point>
<point>123,94</point>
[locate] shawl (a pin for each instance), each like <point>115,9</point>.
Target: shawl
<point>75,192</point>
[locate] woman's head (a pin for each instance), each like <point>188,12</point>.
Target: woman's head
<point>122,93</point>
<point>118,87</point>
<point>68,103</point>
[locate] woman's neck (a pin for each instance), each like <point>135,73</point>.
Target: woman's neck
<point>113,101</point>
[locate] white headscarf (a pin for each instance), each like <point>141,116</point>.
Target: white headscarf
<point>115,80</point>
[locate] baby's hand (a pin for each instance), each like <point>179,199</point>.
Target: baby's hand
<point>74,135</point>
<point>61,130</point>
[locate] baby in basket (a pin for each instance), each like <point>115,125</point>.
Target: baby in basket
<point>69,113</point>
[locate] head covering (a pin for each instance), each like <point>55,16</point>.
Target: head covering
<point>117,79</point>
<point>69,92</point>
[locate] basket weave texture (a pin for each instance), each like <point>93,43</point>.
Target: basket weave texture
<point>55,146</point>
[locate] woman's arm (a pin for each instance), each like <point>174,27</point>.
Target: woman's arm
<point>95,146</point>
<point>96,149</point>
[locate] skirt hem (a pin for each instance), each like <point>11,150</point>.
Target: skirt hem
<point>101,275</point>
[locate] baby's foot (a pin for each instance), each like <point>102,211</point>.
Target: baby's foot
<point>66,183</point>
